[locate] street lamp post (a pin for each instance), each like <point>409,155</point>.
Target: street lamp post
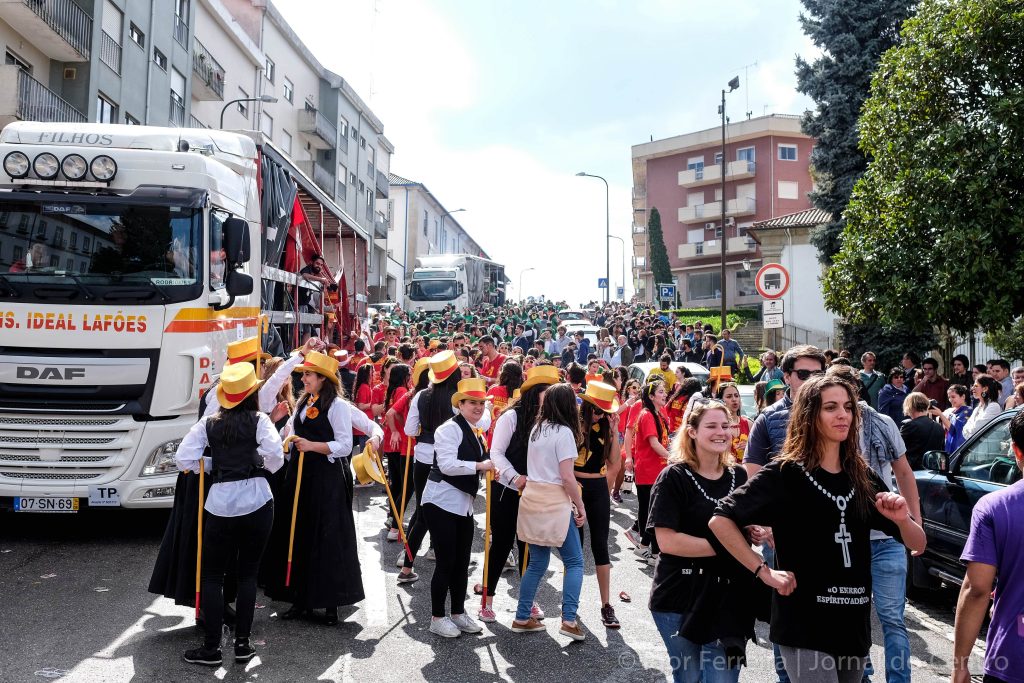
<point>607,233</point>
<point>733,84</point>
<point>269,99</point>
<point>521,296</point>
<point>623,242</point>
<point>447,213</point>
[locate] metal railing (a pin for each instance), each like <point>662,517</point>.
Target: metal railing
<point>208,68</point>
<point>110,52</point>
<point>177,112</point>
<point>36,102</point>
<point>312,121</point>
<point>181,31</point>
<point>193,122</point>
<point>70,21</point>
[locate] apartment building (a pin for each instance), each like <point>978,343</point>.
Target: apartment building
<point>420,225</point>
<point>766,166</point>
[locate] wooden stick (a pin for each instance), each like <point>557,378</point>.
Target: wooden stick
<point>199,530</point>
<point>375,457</point>
<point>487,535</point>
<point>295,513</point>
<point>405,480</point>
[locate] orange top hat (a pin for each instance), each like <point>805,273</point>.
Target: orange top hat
<point>245,350</point>
<point>596,377</point>
<point>321,364</point>
<point>237,383</point>
<point>472,389</point>
<point>602,396</point>
<point>442,365</point>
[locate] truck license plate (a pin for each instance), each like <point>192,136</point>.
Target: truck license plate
<point>46,504</point>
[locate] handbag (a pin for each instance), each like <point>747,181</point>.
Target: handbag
<point>544,511</point>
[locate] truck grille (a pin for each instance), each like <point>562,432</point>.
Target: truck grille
<point>62,449</point>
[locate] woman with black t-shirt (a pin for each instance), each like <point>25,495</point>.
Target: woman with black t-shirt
<point>702,600</point>
<point>822,501</point>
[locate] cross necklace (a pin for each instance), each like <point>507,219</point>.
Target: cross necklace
<point>842,537</point>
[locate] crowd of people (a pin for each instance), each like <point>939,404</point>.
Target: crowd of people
<point>800,514</point>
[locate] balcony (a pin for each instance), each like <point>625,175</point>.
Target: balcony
<point>382,186</point>
<point>193,122</point>
<point>176,115</point>
<point>321,133</point>
<point>110,52</point>
<point>699,213</point>
<point>323,177</point>
<point>380,227</point>
<point>709,175</point>
<point>26,99</point>
<point>60,29</point>
<point>209,81</point>
<point>733,245</point>
<point>181,31</point>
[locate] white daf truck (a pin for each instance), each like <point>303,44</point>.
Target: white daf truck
<point>128,259</point>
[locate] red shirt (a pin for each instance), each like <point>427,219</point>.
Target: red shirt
<point>363,395</point>
<point>491,368</point>
<point>499,399</point>
<point>380,390</point>
<point>357,360</point>
<point>400,401</point>
<point>647,464</point>
<point>675,410</point>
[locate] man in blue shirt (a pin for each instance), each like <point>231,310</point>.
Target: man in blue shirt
<point>733,352</point>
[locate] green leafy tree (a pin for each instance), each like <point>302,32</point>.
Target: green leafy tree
<point>659,254</point>
<point>935,226</point>
<point>853,34</point>
<point>1008,343</point>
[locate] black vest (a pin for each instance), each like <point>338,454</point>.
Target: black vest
<point>471,449</point>
<point>423,403</point>
<point>518,445</point>
<point>236,461</point>
<point>314,428</point>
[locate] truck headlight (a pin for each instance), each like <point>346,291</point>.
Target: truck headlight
<point>16,164</point>
<point>161,459</point>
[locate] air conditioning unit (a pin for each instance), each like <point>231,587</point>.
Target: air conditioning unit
<point>709,226</point>
<point>730,221</point>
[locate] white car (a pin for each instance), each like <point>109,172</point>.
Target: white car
<point>573,314</point>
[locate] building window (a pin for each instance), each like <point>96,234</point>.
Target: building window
<point>58,237</point>
<point>286,141</point>
<point>718,158</point>
<point>17,254</point>
<point>355,133</point>
<point>745,283</point>
<point>787,152</point>
<point>160,59</point>
<point>267,124</point>
<point>352,179</point>
<point>106,111</point>
<point>74,240</point>
<point>137,36</point>
<point>181,22</point>
<point>130,120</point>
<point>86,244</point>
<point>342,127</point>
<point>289,90</point>
<point>269,69</point>
<point>54,262</point>
<point>177,116</point>
<point>745,154</point>
<point>69,264</point>
<point>425,219</point>
<point>12,59</point>
<point>243,107</point>
<point>700,286</point>
<point>695,235</point>
<point>789,189</point>
<point>41,230</point>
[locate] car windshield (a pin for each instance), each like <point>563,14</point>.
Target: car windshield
<point>433,290</point>
<point>96,248</point>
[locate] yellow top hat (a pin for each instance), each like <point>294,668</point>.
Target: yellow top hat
<point>433,344</point>
<point>421,365</point>
<point>602,396</point>
<point>237,382</point>
<point>472,389</point>
<point>245,350</point>
<point>540,374</point>
<point>321,364</point>
<point>442,365</point>
<point>365,467</point>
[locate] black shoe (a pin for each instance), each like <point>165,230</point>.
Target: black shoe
<point>229,615</point>
<point>204,656</point>
<point>243,650</point>
<point>293,612</point>
<point>331,618</point>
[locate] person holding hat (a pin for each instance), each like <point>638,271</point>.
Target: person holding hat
<point>508,451</point>
<point>240,506</point>
<point>598,460</point>
<point>325,564</point>
<point>459,457</point>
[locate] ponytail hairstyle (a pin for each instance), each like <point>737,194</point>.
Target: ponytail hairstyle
<point>646,397</point>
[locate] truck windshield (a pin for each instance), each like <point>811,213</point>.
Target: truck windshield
<point>433,290</point>
<point>89,250</point>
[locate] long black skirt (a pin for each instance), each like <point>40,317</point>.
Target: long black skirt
<point>325,562</point>
<point>174,575</point>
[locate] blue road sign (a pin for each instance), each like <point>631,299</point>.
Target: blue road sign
<point>620,292</point>
<point>666,292</point>
<point>602,283</point>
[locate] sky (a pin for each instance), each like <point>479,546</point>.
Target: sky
<point>496,106</point>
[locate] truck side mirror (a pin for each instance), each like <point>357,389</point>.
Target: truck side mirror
<point>936,461</point>
<point>236,241</point>
<point>237,283</point>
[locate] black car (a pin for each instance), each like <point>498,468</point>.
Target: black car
<point>949,489</point>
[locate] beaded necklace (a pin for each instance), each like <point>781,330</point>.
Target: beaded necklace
<point>842,537</point>
<point>716,501</point>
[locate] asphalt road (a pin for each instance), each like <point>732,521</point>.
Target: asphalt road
<point>74,606</point>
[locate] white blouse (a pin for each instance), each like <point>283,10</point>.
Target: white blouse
<point>504,428</point>
<point>980,417</point>
<point>447,439</point>
<point>343,416</point>
<point>233,498</point>
<point>424,452</point>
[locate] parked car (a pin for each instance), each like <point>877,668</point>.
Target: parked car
<point>639,371</point>
<point>573,314</point>
<point>949,488</point>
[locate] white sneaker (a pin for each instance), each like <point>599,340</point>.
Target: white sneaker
<point>400,562</point>
<point>445,627</point>
<point>510,563</point>
<point>466,623</point>
<point>643,552</point>
<point>652,561</point>
<point>430,555</point>
<point>393,534</point>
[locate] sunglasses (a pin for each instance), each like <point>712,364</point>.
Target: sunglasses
<point>804,375</point>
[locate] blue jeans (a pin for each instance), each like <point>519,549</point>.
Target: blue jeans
<point>780,667</point>
<point>571,553</point>
<point>889,592</point>
<point>692,663</point>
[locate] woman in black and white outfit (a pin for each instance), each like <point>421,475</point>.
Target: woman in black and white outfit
<point>240,506</point>
<point>459,457</point>
<point>325,562</point>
